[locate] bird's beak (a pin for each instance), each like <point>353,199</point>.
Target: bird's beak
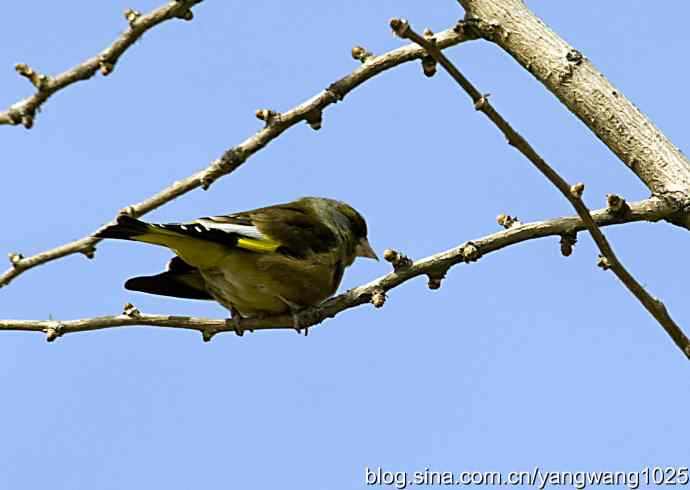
<point>364,250</point>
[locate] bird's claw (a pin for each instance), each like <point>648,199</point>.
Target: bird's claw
<point>298,321</point>
<point>237,319</point>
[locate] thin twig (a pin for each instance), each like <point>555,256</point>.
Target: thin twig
<point>309,111</point>
<point>573,194</point>
<point>24,111</point>
<point>434,266</point>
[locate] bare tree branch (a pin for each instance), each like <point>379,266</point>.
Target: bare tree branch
<point>231,159</point>
<point>585,91</point>
<point>434,266</point>
<point>24,111</point>
<point>572,193</point>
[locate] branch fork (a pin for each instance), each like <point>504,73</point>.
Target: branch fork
<point>572,193</point>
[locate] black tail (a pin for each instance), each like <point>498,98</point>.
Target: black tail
<point>126,228</point>
<point>181,280</point>
<point>170,284</point>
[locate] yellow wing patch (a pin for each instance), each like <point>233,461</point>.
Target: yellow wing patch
<point>262,246</point>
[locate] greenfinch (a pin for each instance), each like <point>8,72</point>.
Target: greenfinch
<point>267,261</point>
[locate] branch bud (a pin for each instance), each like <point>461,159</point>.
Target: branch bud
<point>435,279</point>
<point>131,311</point>
<point>28,121</point>
<point>361,54</point>
<point>470,252</point>
<point>266,115</point>
<point>398,260</point>
<point>400,27</point>
<point>507,221</point>
<point>106,68</point>
<point>314,119</point>
<point>132,15</point>
<point>53,333</point>
<point>15,258</point>
<point>429,66</point>
<point>378,298</point>
<point>603,262</point>
<point>187,15</point>
<point>568,241</point>
<point>577,190</point>
<point>617,205</point>
<point>89,252</point>
<point>481,103</point>
<point>38,80</point>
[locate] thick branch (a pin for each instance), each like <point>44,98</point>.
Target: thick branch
<point>24,111</point>
<point>309,111</point>
<point>572,78</point>
<point>572,193</point>
<point>653,209</point>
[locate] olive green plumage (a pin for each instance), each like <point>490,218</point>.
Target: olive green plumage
<point>266,261</point>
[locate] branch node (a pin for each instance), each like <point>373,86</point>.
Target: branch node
<point>38,80</point>
<point>603,262</point>
<point>378,297</point>
<point>568,241</point>
<point>229,161</point>
<point>577,190</point>
<point>127,211</point>
<point>207,334</point>
<point>131,16</point>
<point>507,221</point>
<point>27,121</point>
<point>435,279</point>
<point>398,260</point>
<point>53,333</point>
<point>15,258</point>
<point>131,311</point>
<point>314,119</point>
<point>335,91</point>
<point>574,56</point>
<point>361,54</point>
<point>617,205</point>
<point>481,103</point>
<point>470,252</point>
<point>106,67</point>
<point>400,27</point>
<point>428,66</point>
<point>89,251</point>
<point>185,15</point>
<point>266,115</point>
<point>15,116</point>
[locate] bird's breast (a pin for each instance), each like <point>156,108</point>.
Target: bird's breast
<point>268,284</point>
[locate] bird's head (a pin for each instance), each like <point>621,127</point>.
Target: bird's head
<point>353,224</point>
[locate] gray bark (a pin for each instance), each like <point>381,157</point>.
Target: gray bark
<point>571,77</point>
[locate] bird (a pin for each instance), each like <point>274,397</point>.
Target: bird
<point>267,261</point>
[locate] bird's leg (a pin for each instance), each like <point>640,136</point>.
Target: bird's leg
<point>237,318</point>
<point>295,310</point>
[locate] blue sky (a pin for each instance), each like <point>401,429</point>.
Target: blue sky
<point>523,359</point>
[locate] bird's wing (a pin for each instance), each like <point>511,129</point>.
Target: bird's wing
<point>235,230</point>
<point>229,231</point>
<point>294,226</point>
<point>181,280</point>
